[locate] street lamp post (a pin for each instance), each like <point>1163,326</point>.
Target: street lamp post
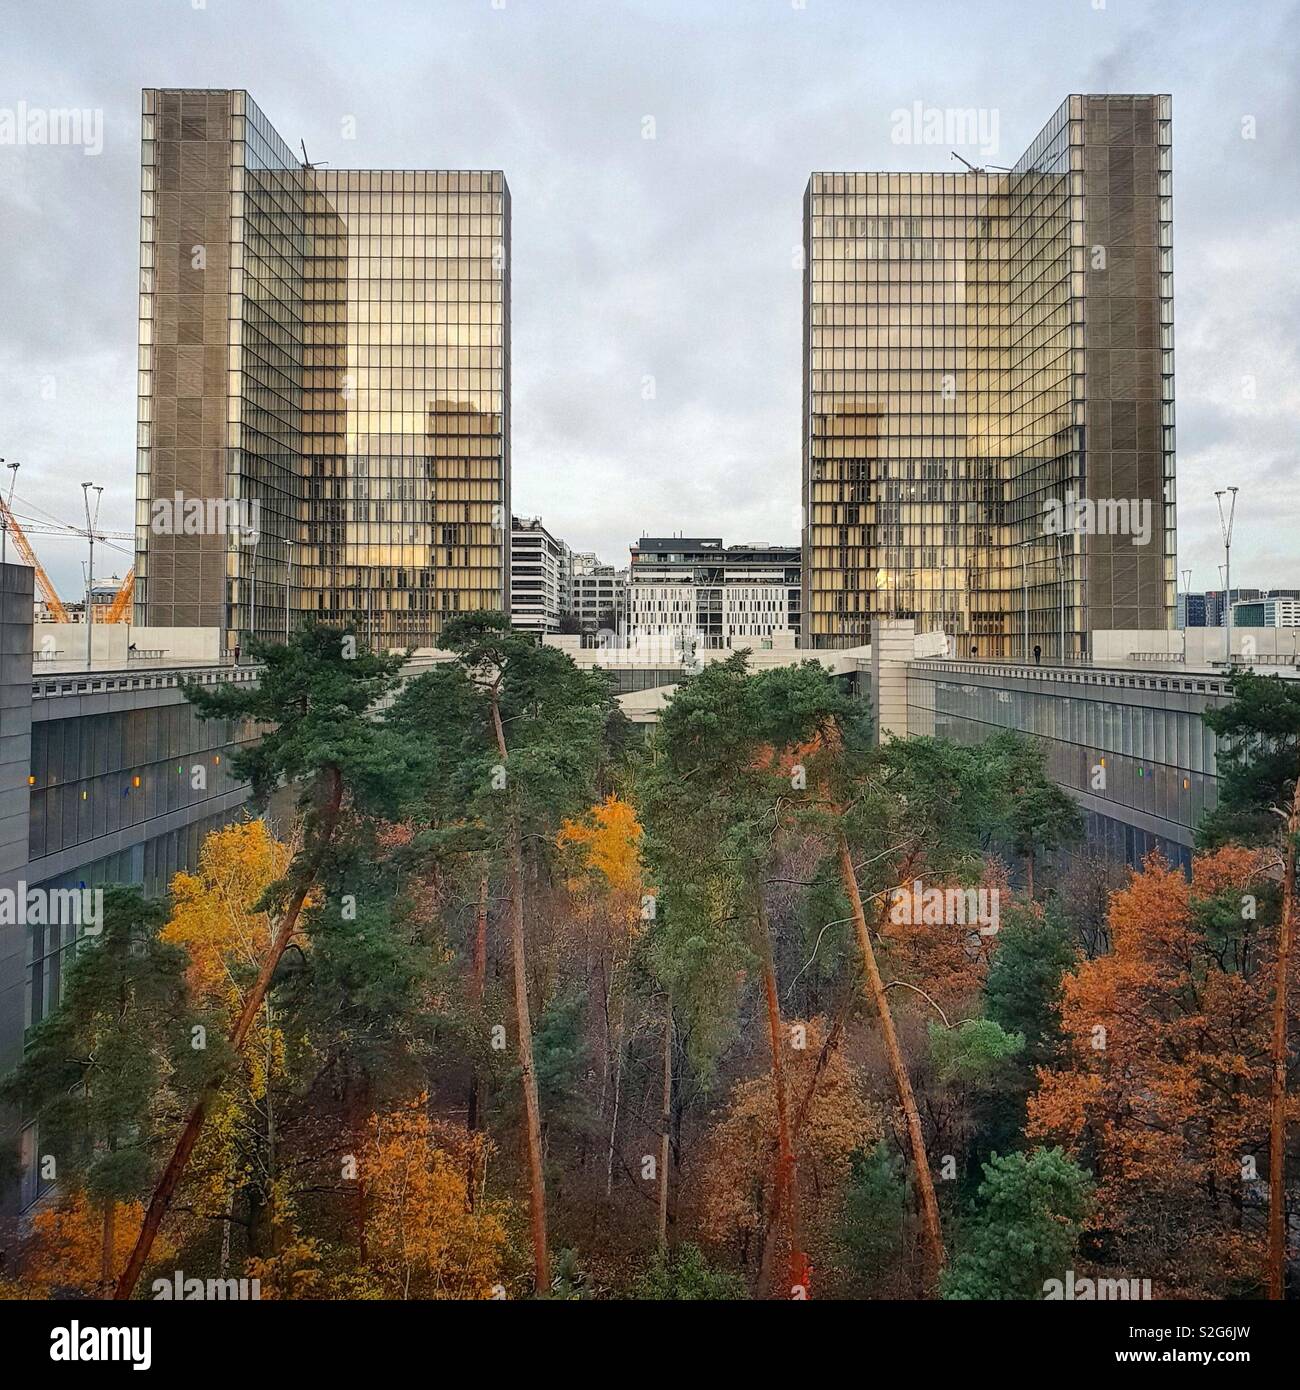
<point>1225,524</point>
<point>1024,603</point>
<point>9,501</point>
<point>288,584</point>
<point>1060,581</point>
<point>252,591</point>
<point>91,522</point>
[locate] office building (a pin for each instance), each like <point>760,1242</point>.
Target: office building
<point>555,589</point>
<point>1190,610</point>
<point>1219,601</point>
<point>988,401</point>
<point>324,383</point>
<point>107,775</point>
<point>539,577</point>
<point>1128,744</point>
<point>1270,611</point>
<point>597,594</point>
<point>695,591</point>
<point>1210,609</point>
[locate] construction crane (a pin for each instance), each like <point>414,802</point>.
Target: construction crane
<point>48,592</point>
<point>40,528</point>
<point>119,608</point>
<point>119,611</point>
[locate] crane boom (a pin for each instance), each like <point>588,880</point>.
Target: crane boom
<point>120,609</point>
<point>48,592</point>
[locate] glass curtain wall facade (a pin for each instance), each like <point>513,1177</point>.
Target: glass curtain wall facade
<point>407,425</point>
<point>328,351</point>
<point>272,241</point>
<point>1132,749</point>
<point>978,345</point>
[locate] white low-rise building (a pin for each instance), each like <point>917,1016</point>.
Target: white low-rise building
<point>539,576</point>
<point>696,592</point>
<point>598,594</point>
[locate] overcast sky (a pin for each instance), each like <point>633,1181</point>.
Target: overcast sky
<point>669,258</point>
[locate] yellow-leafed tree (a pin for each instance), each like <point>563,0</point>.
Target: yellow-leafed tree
<point>215,917</point>
<point>608,891</point>
<point>213,913</point>
<point>609,839</point>
<point>428,1235</point>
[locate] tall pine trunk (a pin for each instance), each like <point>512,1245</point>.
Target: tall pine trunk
<point>167,1183</point>
<point>524,1027</point>
<point>358,1104</point>
<point>1277,1090</point>
<point>528,1076</point>
<point>227,1218</point>
<point>478,985</point>
<point>666,1122</point>
<point>787,1179</point>
<point>772,1208</point>
<point>875,988</point>
<point>480,940</point>
<point>618,1090</point>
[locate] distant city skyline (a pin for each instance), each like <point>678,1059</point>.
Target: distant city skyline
<point>657,156</point>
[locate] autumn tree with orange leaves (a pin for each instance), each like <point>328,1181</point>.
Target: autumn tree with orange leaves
<point>65,1252</point>
<point>1164,1089</point>
<point>737,1198</point>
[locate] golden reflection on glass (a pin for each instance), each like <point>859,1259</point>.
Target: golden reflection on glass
<point>336,359</point>
<point>946,398</point>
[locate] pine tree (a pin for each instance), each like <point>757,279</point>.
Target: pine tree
<point>1039,816</point>
<point>97,1065</point>
<point>871,1234</point>
<point>1023,990</point>
<point>511,738</point>
<point>722,789</point>
<point>1028,1219</point>
<point>1258,733</point>
<point>314,702</point>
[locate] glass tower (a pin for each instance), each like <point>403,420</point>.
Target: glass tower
<point>327,352</point>
<point>988,441</point>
